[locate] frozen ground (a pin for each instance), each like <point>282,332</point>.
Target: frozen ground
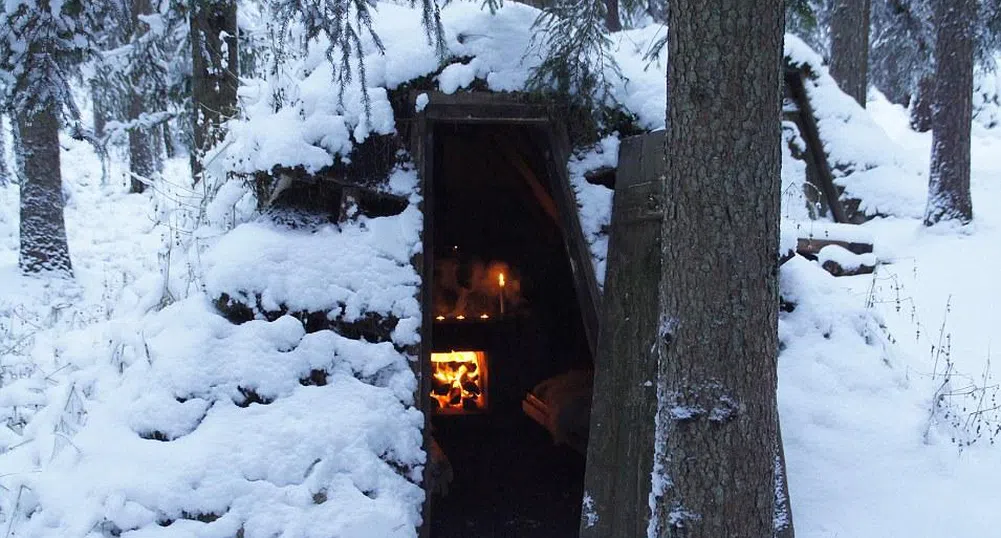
<point>866,454</point>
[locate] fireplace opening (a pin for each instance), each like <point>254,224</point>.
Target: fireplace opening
<point>509,387</point>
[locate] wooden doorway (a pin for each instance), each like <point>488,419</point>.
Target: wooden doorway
<point>497,203</point>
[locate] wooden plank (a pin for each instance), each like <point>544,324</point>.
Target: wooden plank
<point>557,153</point>
<point>422,148</point>
<point>620,450</point>
<point>816,156</point>
<point>810,246</point>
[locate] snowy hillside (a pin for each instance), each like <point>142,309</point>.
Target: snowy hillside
<point>135,406</point>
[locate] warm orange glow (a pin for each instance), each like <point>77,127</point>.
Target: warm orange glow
<point>440,318</point>
<point>484,316</point>
<point>459,381</point>
<point>500,279</point>
<point>460,316</point>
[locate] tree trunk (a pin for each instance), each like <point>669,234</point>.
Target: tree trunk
<point>949,179</point>
<point>4,170</point>
<point>214,76</point>
<point>850,47</point>
<point>714,465</point>
<point>142,158</point>
<point>100,110</point>
<point>921,104</point>
<point>43,231</point>
<point>612,21</point>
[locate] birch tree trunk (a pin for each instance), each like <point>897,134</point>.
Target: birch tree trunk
<point>43,231</point>
<point>949,179</point>
<point>716,421</point>
<point>214,74</point>
<point>850,47</point>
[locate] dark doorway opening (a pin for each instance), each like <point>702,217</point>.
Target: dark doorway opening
<point>503,290</point>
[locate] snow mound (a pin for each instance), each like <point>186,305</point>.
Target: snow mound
<point>866,163</point>
<point>349,271</point>
<point>210,429</point>
<point>151,422</point>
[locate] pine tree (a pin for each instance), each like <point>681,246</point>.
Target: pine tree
<point>214,60</point>
<point>43,45</point>
<point>573,36</point>
<point>716,385</point>
<point>900,51</point>
<point>949,180</point>
<point>850,47</point>
<point>145,77</point>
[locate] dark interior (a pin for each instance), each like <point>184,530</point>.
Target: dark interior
<point>492,202</point>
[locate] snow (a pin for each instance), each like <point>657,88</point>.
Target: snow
<point>298,118</point>
<point>864,160</point>
<point>859,378</point>
<point>133,408</point>
<point>594,202</point>
<point>846,259</point>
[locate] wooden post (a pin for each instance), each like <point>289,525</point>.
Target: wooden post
<point>620,449</point>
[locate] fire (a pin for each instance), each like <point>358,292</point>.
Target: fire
<point>459,381</point>
<point>500,279</point>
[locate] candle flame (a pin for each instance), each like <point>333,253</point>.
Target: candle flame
<point>440,318</point>
<point>500,279</point>
<point>460,316</point>
<point>484,316</point>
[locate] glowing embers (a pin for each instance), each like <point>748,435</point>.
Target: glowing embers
<point>459,382</point>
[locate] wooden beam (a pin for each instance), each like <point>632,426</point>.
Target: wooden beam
<point>557,153</point>
<point>810,246</point>
<point>517,160</point>
<point>816,156</point>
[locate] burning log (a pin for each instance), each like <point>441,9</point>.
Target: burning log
<point>459,381</point>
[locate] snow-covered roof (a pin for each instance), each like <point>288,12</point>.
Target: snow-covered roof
<point>314,125</point>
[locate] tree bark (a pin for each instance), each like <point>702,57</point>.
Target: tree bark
<point>4,170</point>
<point>43,231</point>
<point>949,179</point>
<point>716,421</point>
<point>850,47</point>
<point>612,21</point>
<point>214,74</point>
<point>142,163</point>
<point>921,105</point>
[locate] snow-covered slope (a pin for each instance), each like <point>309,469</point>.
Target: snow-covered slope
<point>885,380</point>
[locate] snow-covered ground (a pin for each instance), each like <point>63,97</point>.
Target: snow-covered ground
<point>97,373</point>
<point>867,454</point>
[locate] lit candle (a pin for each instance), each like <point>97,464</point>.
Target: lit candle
<point>500,281</point>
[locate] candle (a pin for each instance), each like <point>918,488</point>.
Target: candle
<point>500,282</point>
